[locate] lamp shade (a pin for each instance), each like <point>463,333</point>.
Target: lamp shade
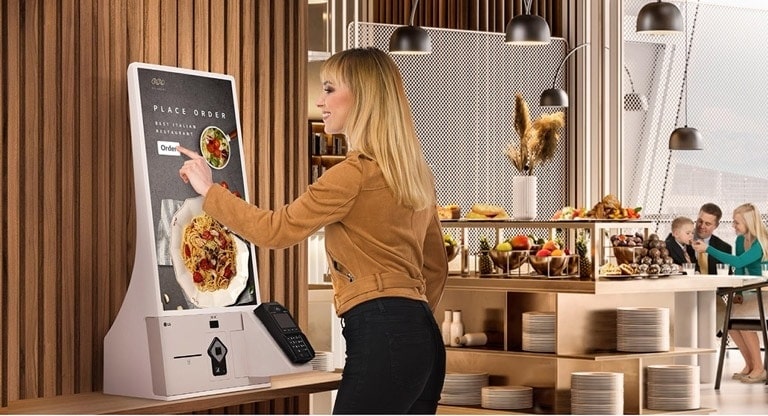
<point>410,40</point>
<point>659,18</point>
<point>635,102</point>
<point>686,138</point>
<point>527,29</point>
<point>553,97</point>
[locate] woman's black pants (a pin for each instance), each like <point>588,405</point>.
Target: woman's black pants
<point>395,359</point>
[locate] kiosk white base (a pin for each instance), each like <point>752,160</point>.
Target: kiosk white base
<point>193,355</point>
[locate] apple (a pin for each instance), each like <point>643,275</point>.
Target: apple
<point>543,253</point>
<point>551,245</point>
<point>520,242</point>
<point>504,246</point>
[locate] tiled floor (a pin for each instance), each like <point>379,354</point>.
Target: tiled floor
<point>735,397</point>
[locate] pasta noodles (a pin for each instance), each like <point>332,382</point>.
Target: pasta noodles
<point>209,253</point>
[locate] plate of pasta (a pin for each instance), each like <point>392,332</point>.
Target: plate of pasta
<point>210,262</point>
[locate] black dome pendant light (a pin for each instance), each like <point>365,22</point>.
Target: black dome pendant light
<point>686,138</point>
<point>410,40</point>
<point>527,29</point>
<point>659,18</point>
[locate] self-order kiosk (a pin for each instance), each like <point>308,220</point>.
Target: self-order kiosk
<point>187,326</point>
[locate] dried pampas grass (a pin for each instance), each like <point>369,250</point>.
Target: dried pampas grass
<point>538,140</point>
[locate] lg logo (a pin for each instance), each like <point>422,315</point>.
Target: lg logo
<point>158,81</point>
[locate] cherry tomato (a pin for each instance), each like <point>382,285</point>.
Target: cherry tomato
<point>206,235</point>
<point>197,277</point>
<point>187,250</point>
<point>224,184</point>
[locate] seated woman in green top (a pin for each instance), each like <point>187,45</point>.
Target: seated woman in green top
<point>751,251</point>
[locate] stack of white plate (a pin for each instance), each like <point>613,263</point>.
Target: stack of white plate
<point>323,361</point>
<point>507,397</point>
<point>674,387</point>
<point>463,389</point>
<point>597,393</point>
<point>642,329</point>
<point>539,332</point>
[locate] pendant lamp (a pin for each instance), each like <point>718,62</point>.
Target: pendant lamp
<point>557,97</point>
<point>527,29</point>
<point>410,40</point>
<point>686,138</point>
<point>634,101</point>
<point>659,18</point>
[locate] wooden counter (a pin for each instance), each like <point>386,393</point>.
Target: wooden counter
<point>98,403</point>
<point>681,283</point>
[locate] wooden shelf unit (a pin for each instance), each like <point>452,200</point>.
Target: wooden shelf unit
<point>585,321</point>
<point>325,150</point>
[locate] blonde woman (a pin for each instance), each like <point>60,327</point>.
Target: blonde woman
<point>751,251</point>
<point>382,236</point>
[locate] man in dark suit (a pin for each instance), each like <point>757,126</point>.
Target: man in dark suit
<point>706,223</point>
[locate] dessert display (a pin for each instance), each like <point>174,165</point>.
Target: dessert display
<point>634,256</point>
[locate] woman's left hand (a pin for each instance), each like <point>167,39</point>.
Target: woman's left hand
<point>196,171</point>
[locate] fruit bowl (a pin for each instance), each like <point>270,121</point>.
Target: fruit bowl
<point>508,260</point>
<point>626,254</point>
<point>452,251</point>
<point>549,265</point>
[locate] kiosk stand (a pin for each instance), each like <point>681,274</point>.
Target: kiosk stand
<point>172,338</point>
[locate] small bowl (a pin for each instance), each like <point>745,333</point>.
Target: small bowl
<point>508,260</point>
<point>626,255</point>
<point>550,265</point>
<point>452,251</point>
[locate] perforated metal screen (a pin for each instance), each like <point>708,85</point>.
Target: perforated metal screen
<point>462,97</point>
<point>726,102</point>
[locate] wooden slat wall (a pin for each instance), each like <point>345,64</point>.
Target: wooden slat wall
<point>482,15</point>
<point>67,205</point>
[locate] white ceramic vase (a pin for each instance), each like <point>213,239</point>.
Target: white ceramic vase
<point>524,196</point>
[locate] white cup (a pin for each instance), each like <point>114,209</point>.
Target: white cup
<point>723,269</point>
<point>689,268</point>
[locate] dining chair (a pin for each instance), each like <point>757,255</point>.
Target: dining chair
<point>743,324</point>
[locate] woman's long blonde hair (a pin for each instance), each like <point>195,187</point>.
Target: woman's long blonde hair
<point>755,226</point>
<point>380,124</point>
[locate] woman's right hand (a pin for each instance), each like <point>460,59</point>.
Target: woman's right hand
<point>196,171</point>
<point>700,246</point>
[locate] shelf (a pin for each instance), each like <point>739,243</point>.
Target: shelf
<point>515,284</point>
<point>665,284</point>
<point>443,409</point>
<point>476,410</point>
<point>601,356</point>
<point>699,411</point>
<point>565,224</point>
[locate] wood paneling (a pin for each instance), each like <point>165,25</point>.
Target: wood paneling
<point>66,174</point>
<point>482,15</point>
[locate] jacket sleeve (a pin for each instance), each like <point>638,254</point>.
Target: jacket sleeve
<point>754,254</point>
<point>325,202</point>
<point>435,268</point>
